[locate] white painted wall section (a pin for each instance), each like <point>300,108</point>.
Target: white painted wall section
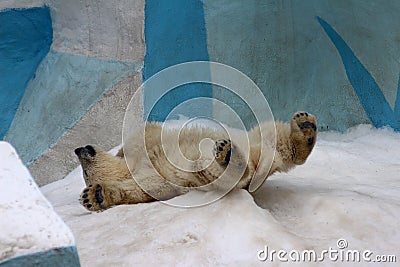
<point>21,3</point>
<point>105,29</point>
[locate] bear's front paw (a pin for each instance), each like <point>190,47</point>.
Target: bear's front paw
<point>92,198</point>
<point>222,151</point>
<point>305,123</point>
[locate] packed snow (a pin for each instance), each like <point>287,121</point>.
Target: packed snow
<point>345,197</point>
<point>28,223</point>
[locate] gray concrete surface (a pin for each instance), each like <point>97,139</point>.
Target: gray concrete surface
<point>101,125</point>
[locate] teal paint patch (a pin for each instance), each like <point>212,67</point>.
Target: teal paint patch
<point>282,48</point>
<point>368,91</point>
<point>56,257</point>
<point>175,33</point>
<point>25,39</point>
<point>252,37</point>
<point>65,87</point>
<point>397,103</point>
<point>238,104</point>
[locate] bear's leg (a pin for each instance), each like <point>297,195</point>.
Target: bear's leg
<point>222,151</point>
<point>303,135</point>
<point>111,193</point>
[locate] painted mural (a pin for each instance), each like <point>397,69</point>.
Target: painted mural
<point>339,60</point>
<point>368,91</point>
<point>25,39</point>
<point>166,47</point>
<point>283,47</point>
<point>46,90</point>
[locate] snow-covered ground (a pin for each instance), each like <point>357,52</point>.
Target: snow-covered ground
<point>28,223</point>
<point>348,190</point>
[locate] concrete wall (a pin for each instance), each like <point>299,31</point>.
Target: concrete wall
<point>105,29</point>
<point>289,53</point>
<point>101,125</point>
<point>336,59</point>
<point>64,88</point>
<point>175,33</point>
<point>94,62</point>
<point>25,39</point>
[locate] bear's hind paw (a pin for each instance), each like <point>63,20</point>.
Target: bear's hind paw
<point>305,123</point>
<point>92,198</point>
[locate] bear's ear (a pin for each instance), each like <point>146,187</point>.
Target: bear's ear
<point>90,150</point>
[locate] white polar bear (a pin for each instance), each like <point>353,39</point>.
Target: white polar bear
<point>109,178</point>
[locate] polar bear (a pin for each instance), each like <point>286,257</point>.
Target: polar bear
<point>254,156</point>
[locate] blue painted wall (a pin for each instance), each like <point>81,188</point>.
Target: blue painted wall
<point>368,91</point>
<point>44,93</point>
<point>25,39</point>
<point>343,67</point>
<point>57,257</point>
<point>175,32</point>
<point>311,55</point>
<point>64,88</point>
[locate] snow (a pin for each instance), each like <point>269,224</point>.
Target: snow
<point>349,188</point>
<point>28,223</point>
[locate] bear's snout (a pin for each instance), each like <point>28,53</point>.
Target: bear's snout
<point>87,150</point>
